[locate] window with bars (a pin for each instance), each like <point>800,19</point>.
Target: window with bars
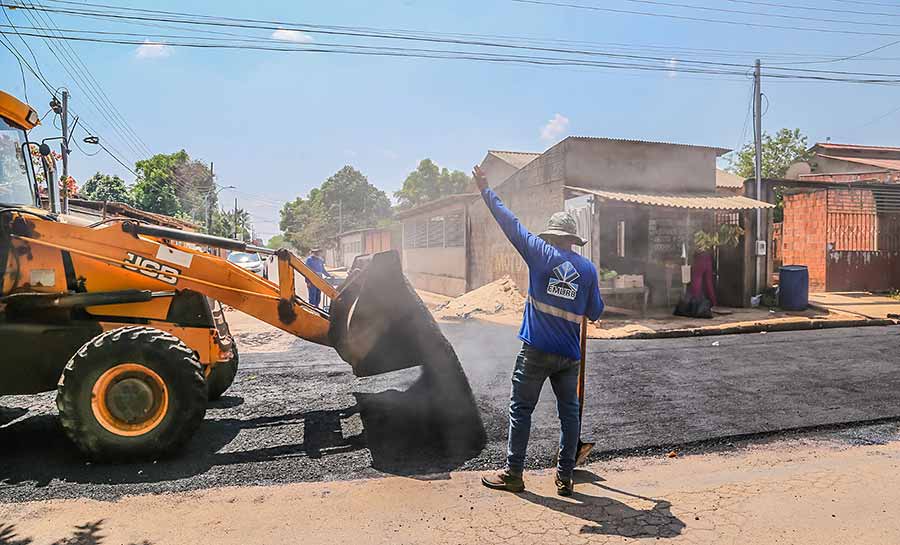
<point>436,232</point>
<point>454,230</point>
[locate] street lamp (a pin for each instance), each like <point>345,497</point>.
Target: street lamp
<point>209,203</point>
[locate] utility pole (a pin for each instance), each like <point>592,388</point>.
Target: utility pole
<point>235,219</point>
<point>757,137</point>
<point>209,197</point>
<point>64,148</point>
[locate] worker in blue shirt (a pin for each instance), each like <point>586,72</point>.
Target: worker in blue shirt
<point>563,289</point>
<point>316,263</point>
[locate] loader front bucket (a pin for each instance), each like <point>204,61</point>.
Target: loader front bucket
<point>379,323</point>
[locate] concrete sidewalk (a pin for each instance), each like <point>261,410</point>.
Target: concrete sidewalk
<point>803,492</point>
<point>858,303</point>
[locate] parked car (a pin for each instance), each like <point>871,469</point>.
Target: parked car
<point>250,261</point>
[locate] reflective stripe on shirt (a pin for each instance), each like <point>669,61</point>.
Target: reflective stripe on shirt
<point>553,311</point>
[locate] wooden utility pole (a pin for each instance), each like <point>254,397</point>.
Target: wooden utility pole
<point>209,197</point>
<point>64,149</point>
<point>757,139</point>
<point>235,219</point>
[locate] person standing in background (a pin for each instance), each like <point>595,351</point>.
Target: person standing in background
<point>316,263</point>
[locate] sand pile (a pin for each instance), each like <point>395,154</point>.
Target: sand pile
<point>499,297</point>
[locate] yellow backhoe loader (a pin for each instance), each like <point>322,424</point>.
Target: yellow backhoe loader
<point>123,318</point>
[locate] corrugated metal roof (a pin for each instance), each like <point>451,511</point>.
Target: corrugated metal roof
<point>727,179</point>
<point>687,200</point>
<point>517,159</point>
<point>889,164</point>
<point>832,145</point>
<point>718,150</point>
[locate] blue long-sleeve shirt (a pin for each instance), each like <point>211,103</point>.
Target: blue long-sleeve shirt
<point>562,287</point>
<point>317,265</point>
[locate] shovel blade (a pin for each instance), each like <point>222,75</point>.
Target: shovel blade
<point>378,323</point>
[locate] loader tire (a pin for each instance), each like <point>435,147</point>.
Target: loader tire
<point>222,376</point>
<point>133,393</point>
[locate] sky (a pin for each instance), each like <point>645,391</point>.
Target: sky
<point>277,124</point>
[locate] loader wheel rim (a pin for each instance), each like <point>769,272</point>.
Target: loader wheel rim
<point>129,399</point>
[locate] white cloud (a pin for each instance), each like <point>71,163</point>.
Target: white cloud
<point>292,36</point>
<point>555,128</point>
<point>150,50</point>
<point>672,64</point>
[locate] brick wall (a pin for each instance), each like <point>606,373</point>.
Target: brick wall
<point>533,193</point>
<point>804,234</point>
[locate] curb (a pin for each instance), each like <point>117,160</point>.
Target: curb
<point>758,328</point>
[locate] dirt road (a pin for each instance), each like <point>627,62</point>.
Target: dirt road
<point>789,492</point>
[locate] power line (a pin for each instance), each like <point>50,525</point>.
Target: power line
<point>758,14</point>
<point>71,66</point>
<point>707,68</point>
<point>104,98</point>
<point>816,8</point>
<point>48,40</point>
<point>704,19</point>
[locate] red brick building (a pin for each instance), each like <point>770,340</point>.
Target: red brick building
<point>848,235</point>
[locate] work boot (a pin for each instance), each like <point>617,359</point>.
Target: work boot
<point>564,487</point>
<point>504,480</point>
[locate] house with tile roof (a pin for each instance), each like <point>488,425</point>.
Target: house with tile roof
<point>832,162</point>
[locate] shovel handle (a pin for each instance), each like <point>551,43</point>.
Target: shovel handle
<point>581,369</point>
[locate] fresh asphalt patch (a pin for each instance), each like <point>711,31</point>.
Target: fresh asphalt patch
<point>301,415</point>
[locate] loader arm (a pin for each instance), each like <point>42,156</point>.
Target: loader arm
<point>132,248</point>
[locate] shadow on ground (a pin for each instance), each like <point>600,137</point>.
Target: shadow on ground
<point>612,517</point>
<point>419,430</point>
<point>83,534</point>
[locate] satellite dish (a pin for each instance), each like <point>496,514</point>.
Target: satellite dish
<point>795,170</point>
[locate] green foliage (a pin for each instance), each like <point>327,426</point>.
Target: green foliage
<point>345,201</point>
<point>429,182</point>
<point>778,153</point>
<point>224,225</point>
<point>103,187</point>
<point>154,190</point>
<point>175,185</point>
<point>277,242</point>
<point>727,235</point>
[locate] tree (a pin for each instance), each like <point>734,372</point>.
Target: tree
<point>277,242</point>
<point>103,187</point>
<point>155,189</point>
<point>244,226</point>
<point>345,201</point>
<point>430,182</point>
<point>778,153</point>
<point>175,185</point>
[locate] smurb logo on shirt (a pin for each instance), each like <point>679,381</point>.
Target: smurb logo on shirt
<point>562,283</point>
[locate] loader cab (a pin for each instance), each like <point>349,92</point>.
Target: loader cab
<point>17,180</point>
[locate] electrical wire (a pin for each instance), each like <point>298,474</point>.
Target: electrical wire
<point>104,98</point>
<point>48,40</point>
<point>816,8</point>
<point>704,19</point>
<point>759,14</point>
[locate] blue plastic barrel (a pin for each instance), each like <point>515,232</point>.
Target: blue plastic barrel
<point>793,287</point>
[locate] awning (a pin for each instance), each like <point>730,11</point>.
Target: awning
<point>697,202</point>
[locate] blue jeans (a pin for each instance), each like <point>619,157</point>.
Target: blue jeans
<point>533,367</point>
<point>315,295</point>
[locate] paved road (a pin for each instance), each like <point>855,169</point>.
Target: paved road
<point>294,415</point>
